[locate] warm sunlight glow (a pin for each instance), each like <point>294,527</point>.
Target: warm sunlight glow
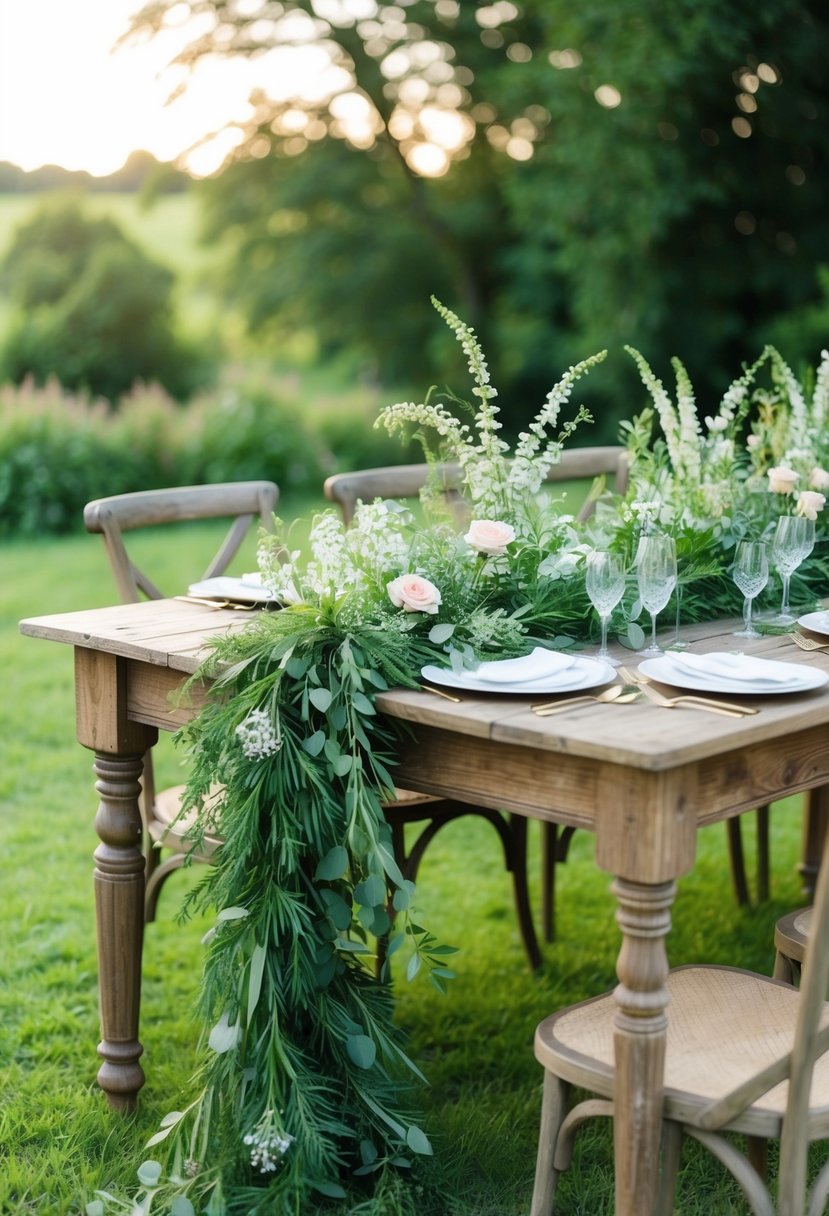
<point>66,99</point>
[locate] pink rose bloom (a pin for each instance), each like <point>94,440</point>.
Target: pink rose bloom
<point>781,479</point>
<point>489,536</point>
<point>819,478</point>
<point>809,502</point>
<point>413,593</point>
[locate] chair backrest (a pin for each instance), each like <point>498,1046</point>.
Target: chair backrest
<point>243,501</point>
<point>407,480</point>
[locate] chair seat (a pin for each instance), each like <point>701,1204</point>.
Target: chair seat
<point>173,830</point>
<point>724,1027</point>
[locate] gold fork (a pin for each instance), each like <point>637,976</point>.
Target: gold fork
<point>619,694</point>
<point>728,709</point>
<point>805,643</point>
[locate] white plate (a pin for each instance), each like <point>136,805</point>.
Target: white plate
<point>235,590</point>
<point>583,673</point>
<point>815,622</point>
<point>802,679</point>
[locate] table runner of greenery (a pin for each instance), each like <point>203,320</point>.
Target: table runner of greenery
<point>304,1081</point>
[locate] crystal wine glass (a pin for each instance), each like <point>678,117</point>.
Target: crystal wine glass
<point>605,583</point>
<point>751,573</point>
<point>656,575</point>
<point>793,541</point>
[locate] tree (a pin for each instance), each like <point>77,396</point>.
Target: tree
<point>93,309</point>
<point>566,176</point>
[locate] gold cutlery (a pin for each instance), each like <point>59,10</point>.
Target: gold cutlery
<point>447,696</point>
<point>729,709</point>
<point>619,694</point>
<point>208,603</point>
<point>805,643</point>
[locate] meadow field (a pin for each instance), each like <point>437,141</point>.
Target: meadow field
<point>58,1140</point>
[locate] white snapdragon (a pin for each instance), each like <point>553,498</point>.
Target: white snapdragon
<point>376,537</point>
<point>258,735</point>
<point>820,397</point>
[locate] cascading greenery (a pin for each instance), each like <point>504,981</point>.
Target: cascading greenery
<point>305,1082</point>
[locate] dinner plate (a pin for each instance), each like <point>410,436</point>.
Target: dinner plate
<point>815,622</point>
<point>236,590</point>
<point>798,678</point>
<point>581,673</point>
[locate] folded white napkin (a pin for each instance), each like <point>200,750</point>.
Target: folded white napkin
<point>541,664</point>
<point>742,668</point>
<point>252,580</point>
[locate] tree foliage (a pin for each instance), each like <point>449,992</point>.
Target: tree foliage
<point>93,309</point>
<point>615,171</point>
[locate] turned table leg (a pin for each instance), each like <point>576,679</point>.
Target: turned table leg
<point>119,743</point>
<point>119,909</point>
<point>644,916</point>
<point>815,819</point>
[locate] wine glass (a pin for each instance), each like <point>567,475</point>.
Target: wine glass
<point>656,575</point>
<point>793,541</point>
<point>751,573</point>
<point>605,583</point>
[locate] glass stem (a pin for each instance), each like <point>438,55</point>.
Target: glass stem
<point>603,650</point>
<point>653,631</point>
<point>747,613</point>
<point>678,601</point>
<point>784,607</point>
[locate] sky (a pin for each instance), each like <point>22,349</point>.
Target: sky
<point>66,99</point>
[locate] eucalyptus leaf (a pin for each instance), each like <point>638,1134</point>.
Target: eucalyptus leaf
<point>635,637</point>
<point>149,1173</point>
<point>418,1142</point>
<point>320,698</point>
<point>372,891</point>
<point>235,913</point>
<point>332,1190</point>
<point>362,704</point>
<point>413,967</point>
<point>362,1050</point>
<point>368,1152</point>
<point>95,1208</point>
<point>224,1036</point>
<point>314,744</point>
<point>332,865</point>
<point>441,633</point>
<point>181,1206</point>
<point>342,764</point>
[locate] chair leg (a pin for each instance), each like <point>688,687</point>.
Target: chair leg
<point>671,1153</point>
<point>738,865</point>
<point>553,1110</point>
<point>520,890</point>
<point>156,880</point>
<point>763,856</point>
<point>549,847</point>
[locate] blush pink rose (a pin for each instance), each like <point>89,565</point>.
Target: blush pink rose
<point>490,536</point>
<point>781,479</point>
<point>413,593</point>
<point>809,502</point>
<point>819,478</point>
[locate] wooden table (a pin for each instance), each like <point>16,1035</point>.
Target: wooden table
<point>642,778</point>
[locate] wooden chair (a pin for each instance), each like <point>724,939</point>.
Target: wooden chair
<point>791,936</point>
<point>245,502</point>
<point>745,1053</point>
<point>610,466</point>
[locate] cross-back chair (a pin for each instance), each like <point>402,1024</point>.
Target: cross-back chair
<point>745,1053</point>
<point>604,466</point>
<point>245,503</point>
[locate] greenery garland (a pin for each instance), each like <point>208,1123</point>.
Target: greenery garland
<point>305,1080</point>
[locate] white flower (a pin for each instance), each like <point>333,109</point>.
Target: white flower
<point>267,1144</point>
<point>490,536</point>
<point>809,502</point>
<point>819,478</point>
<point>781,479</point>
<point>716,424</point>
<point>258,735</point>
<point>753,442</point>
<point>413,593</point>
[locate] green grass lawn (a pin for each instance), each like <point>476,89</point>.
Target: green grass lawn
<point>59,1141</point>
